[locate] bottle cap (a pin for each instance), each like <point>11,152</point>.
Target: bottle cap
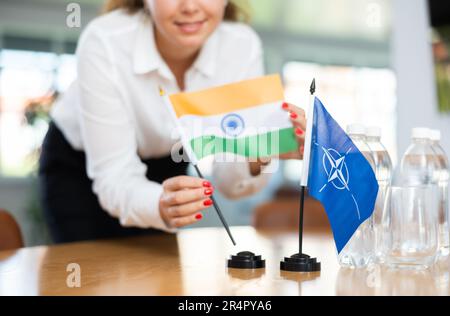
<point>373,131</point>
<point>356,129</point>
<point>435,135</point>
<point>420,133</point>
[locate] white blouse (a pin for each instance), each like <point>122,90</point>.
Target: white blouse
<point>114,113</point>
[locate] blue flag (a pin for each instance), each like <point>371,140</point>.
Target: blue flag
<point>340,177</point>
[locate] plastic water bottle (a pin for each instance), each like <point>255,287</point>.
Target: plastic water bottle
<point>383,173</point>
<point>443,179</point>
<point>419,164</point>
<point>419,171</point>
<point>359,251</point>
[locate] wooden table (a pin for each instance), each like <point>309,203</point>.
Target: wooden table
<point>193,263</point>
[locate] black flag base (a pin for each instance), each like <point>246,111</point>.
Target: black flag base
<point>300,263</point>
<point>246,260</point>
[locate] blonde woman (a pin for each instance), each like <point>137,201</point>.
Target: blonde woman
<point>105,167</point>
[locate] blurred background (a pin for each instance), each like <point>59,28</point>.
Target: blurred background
<point>376,62</point>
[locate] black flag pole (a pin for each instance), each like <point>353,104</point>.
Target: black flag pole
<point>300,220</point>
<point>301,262</point>
<point>312,90</point>
<point>217,208</point>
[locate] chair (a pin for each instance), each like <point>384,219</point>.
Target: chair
<point>282,213</point>
<point>10,235</point>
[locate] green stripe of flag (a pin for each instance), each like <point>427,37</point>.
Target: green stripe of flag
<point>261,145</point>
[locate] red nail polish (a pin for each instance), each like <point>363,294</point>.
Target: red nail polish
<point>294,115</point>
<point>302,148</point>
<point>298,131</point>
<point>206,184</point>
<point>198,216</point>
<point>208,203</point>
<point>285,105</point>
<point>208,192</point>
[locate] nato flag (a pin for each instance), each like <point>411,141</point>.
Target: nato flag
<point>340,177</point>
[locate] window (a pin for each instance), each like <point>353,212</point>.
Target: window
<point>356,19</point>
<point>345,46</point>
<point>350,94</point>
<point>29,83</point>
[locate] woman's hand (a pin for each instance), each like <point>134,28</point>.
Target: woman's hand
<point>183,199</point>
<point>298,119</point>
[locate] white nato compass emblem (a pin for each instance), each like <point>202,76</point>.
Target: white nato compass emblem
<point>336,169</point>
<point>233,125</point>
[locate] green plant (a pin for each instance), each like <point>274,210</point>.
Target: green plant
<point>441,49</point>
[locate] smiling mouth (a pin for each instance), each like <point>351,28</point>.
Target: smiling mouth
<point>190,27</point>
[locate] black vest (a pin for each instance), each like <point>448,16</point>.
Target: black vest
<point>71,209</point>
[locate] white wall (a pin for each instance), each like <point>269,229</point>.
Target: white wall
<point>413,63</point>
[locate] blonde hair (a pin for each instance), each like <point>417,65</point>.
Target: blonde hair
<point>232,11</point>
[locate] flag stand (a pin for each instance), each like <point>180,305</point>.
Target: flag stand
<point>301,262</point>
<point>243,259</point>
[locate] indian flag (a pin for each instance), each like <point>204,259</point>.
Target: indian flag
<point>243,118</point>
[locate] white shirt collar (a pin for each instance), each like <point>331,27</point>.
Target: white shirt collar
<point>146,56</point>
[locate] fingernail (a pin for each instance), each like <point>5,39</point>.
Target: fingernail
<point>294,115</point>
<point>285,105</point>
<point>206,184</point>
<point>298,131</point>
<point>208,192</point>
<point>198,216</point>
<point>302,148</point>
<point>208,203</point>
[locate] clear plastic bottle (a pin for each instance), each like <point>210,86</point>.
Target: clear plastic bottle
<point>383,173</point>
<point>359,251</point>
<point>443,179</point>
<point>419,164</point>
<point>416,225</point>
